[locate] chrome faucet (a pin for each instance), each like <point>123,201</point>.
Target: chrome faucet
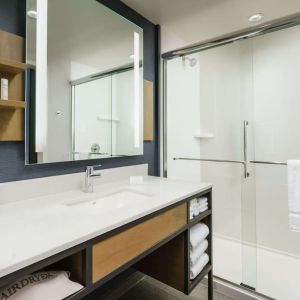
<point>90,173</point>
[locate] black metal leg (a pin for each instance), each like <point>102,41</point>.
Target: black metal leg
<point>210,286</point>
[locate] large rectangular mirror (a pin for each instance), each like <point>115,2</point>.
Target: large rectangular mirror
<point>84,82</point>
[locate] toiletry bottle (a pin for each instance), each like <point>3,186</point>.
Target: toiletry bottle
<point>4,89</point>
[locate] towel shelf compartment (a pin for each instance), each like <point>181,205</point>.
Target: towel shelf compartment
<point>114,252</point>
<point>167,264</point>
<point>73,264</point>
<point>54,275</point>
<point>200,217</point>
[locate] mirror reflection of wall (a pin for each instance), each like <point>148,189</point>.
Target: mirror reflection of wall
<point>103,112</point>
<point>85,107</point>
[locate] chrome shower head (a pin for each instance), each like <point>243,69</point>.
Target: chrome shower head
<point>192,61</point>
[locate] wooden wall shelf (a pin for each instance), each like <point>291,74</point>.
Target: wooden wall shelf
<point>12,104</point>
<point>11,66</point>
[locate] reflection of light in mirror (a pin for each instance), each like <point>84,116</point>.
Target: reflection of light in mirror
<point>41,76</point>
<point>136,90</point>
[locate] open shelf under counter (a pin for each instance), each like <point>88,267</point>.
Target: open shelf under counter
<point>11,66</point>
<point>203,273</point>
<point>200,217</point>
<point>12,104</point>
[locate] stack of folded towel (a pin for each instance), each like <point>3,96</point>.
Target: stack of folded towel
<point>197,206</point>
<point>198,258</point>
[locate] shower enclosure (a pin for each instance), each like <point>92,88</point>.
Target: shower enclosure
<point>231,118</point>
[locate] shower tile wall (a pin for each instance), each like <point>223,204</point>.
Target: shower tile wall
<point>183,118</point>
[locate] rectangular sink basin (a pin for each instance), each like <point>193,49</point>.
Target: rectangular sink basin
<point>111,202</point>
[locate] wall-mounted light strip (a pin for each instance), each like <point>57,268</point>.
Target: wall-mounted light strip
<point>41,76</point>
<point>136,90</point>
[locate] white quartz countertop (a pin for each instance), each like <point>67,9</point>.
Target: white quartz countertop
<point>34,229</point>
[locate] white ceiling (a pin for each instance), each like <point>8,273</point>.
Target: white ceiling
<point>189,21</point>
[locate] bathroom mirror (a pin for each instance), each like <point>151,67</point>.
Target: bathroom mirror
<point>84,82</point>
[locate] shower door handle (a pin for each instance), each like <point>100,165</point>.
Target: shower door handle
<point>246,158</point>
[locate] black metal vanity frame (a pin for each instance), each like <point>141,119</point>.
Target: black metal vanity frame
<point>86,249</point>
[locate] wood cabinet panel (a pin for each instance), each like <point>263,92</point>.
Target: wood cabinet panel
<point>112,253</point>
<point>148,110</point>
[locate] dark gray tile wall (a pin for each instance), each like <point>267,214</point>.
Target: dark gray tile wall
<point>12,154</point>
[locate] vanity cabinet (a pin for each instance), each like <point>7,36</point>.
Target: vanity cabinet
<point>157,245</point>
<point>122,247</point>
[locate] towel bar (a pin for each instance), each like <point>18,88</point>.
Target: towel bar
<point>233,161</point>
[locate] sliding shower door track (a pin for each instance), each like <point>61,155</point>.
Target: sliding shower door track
<point>236,291</point>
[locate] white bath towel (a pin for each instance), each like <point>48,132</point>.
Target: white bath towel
<point>195,211</point>
<point>199,266</point>
<point>203,208</point>
<point>41,285</point>
<point>197,252</point>
<point>198,206</point>
<point>294,194</point>
<point>193,208</point>
<point>202,200</point>
<point>198,233</point>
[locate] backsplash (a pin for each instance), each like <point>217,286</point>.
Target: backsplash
<point>26,189</point>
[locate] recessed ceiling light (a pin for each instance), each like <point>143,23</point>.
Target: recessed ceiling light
<point>256,17</point>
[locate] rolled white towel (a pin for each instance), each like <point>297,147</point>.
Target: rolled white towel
<point>198,233</point>
<point>197,252</point>
<point>199,266</point>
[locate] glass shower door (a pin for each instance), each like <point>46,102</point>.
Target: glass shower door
<point>209,96</point>
<point>276,139</point>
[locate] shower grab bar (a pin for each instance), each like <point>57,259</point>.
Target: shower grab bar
<point>210,159</point>
<point>232,161</point>
<point>268,162</point>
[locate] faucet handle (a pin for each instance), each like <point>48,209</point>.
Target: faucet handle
<point>95,167</point>
<point>93,171</point>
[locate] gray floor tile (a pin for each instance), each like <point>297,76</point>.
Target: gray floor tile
<point>149,289</point>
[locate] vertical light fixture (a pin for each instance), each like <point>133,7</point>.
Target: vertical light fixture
<point>136,90</point>
<point>41,76</point>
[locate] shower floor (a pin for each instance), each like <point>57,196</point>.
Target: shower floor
<point>277,274</point>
